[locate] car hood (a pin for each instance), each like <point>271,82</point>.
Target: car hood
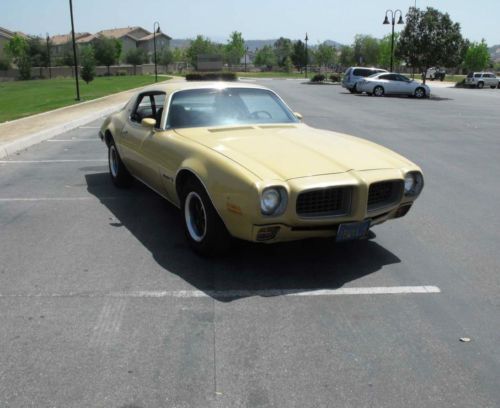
<point>286,152</point>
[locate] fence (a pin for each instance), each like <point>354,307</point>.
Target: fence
<point>68,72</point>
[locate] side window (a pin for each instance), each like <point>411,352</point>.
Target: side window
<point>387,77</point>
<point>143,108</point>
<point>477,75</point>
<point>148,105</point>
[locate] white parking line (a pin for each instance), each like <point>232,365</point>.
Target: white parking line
<point>384,290</point>
<point>6,200</point>
<point>74,140</point>
<point>52,161</point>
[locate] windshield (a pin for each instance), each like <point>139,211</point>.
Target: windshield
<point>229,106</point>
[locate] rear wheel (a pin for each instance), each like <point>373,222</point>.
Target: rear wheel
<point>117,170</point>
<point>492,86</point>
<point>419,93</point>
<point>378,91</point>
<point>206,233</point>
<point>353,89</point>
<point>480,85</point>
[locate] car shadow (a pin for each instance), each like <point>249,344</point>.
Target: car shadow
<point>249,269</point>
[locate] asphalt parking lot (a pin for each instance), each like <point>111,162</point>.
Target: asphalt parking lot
<point>102,304</point>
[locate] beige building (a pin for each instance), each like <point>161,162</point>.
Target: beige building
<point>130,37</point>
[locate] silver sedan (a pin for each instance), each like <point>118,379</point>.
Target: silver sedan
<point>392,84</point>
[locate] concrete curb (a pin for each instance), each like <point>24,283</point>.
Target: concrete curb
<point>10,148</point>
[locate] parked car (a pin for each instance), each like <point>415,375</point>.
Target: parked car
<point>481,79</point>
<point>239,163</point>
<point>434,73</point>
<point>392,84</point>
<point>353,74</point>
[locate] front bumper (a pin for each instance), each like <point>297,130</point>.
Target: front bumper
<point>290,226</point>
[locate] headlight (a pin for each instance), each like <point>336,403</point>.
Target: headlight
<point>273,201</point>
<point>414,182</point>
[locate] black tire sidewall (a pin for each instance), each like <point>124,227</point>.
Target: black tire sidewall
<point>217,239</point>
<point>123,177</point>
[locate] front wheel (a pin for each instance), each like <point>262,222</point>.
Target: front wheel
<point>378,91</point>
<point>204,229</point>
<point>480,85</point>
<point>117,170</point>
<point>419,93</point>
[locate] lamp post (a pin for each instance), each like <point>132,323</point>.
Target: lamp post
<point>393,21</point>
<point>48,56</point>
<point>155,30</point>
<point>246,53</point>
<point>307,57</point>
<point>75,60</point>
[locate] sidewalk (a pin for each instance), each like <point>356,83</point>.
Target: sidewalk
<point>22,133</point>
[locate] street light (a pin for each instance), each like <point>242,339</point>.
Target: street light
<point>75,60</point>
<point>48,56</point>
<point>246,53</point>
<point>393,21</point>
<point>307,59</point>
<point>155,31</point>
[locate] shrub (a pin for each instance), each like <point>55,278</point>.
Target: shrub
<point>211,76</point>
<point>88,64</point>
<point>121,73</point>
<point>4,64</point>
<point>335,78</point>
<point>318,78</point>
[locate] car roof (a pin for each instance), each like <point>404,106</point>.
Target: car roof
<point>180,85</point>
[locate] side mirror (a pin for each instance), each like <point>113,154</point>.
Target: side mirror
<point>148,122</point>
<point>298,115</point>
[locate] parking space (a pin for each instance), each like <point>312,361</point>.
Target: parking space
<point>103,304</point>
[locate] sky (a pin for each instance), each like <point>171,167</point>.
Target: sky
<point>255,19</point>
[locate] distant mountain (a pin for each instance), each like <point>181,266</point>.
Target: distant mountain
<point>251,44</point>
<point>495,53</point>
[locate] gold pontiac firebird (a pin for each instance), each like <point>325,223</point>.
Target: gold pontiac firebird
<point>239,163</point>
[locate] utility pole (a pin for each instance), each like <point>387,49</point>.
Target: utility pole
<point>75,59</point>
<point>48,56</point>
<point>307,57</point>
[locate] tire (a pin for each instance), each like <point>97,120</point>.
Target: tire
<point>480,85</point>
<point>205,232</point>
<point>419,93</point>
<point>119,174</point>
<point>378,91</point>
<point>492,86</point>
<point>353,89</point>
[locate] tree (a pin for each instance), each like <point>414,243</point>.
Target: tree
<point>235,48</point>
<point>384,52</point>
<point>179,55</point>
<point>199,46</point>
<point>430,38</point>
<point>477,56</point>
<point>166,57</point>
<point>325,55</point>
<point>346,56</point>
<point>283,48</point>
<point>107,51</point>
<point>135,56</point>
<point>18,49</point>
<point>366,49</point>
<point>265,57</point>
<point>298,54</point>
<point>87,60</point>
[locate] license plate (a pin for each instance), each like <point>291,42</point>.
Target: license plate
<point>353,230</point>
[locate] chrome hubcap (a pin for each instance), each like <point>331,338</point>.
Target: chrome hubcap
<point>419,93</point>
<point>113,161</point>
<point>196,216</point>
<point>379,91</point>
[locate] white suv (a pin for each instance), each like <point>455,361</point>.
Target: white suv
<point>354,74</point>
<point>481,79</point>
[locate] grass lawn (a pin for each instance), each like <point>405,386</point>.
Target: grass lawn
<point>24,98</point>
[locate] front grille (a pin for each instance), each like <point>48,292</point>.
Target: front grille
<point>384,194</point>
<point>331,201</point>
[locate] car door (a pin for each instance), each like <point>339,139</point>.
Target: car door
<point>404,85</point>
<point>134,134</point>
